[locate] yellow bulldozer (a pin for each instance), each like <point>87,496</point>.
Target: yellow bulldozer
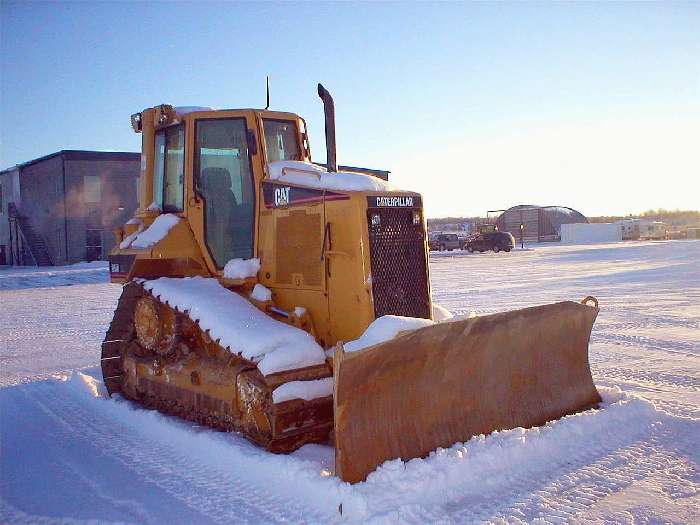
<point>248,270</point>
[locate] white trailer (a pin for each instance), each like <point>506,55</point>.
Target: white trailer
<point>589,233</point>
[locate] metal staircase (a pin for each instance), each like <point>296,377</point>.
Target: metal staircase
<point>30,246</point>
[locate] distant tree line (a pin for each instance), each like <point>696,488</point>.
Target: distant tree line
<point>674,218</point>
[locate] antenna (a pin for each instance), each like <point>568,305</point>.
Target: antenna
<point>267,83</point>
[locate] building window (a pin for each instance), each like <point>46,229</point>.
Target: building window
<point>2,205</point>
<point>92,188</point>
<point>281,140</point>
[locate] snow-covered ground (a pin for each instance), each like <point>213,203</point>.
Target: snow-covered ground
<point>70,455</point>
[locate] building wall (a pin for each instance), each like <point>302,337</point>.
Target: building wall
<point>41,187</point>
<point>56,203</point>
<point>117,203</point>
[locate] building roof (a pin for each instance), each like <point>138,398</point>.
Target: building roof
<point>78,154</point>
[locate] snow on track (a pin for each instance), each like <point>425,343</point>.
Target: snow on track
<point>70,455</point>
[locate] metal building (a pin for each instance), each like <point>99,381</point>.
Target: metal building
<point>63,208</point>
<point>539,223</point>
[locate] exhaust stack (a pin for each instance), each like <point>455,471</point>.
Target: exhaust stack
<point>329,111</point>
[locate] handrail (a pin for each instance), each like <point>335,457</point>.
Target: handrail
<point>25,243</point>
<point>14,214</point>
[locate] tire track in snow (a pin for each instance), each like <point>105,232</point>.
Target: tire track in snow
<point>687,349</point>
<point>661,380</point>
<point>220,496</point>
<point>576,484</point>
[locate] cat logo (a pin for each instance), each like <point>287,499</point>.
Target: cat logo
<point>282,196</point>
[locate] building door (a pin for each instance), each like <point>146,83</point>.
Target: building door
<point>93,235</point>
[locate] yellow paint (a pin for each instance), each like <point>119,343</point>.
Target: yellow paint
<point>339,304</point>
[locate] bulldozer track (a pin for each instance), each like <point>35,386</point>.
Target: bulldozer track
<point>288,428</point>
<point>119,334</point>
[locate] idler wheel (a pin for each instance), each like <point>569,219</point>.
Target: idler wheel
<point>155,326</point>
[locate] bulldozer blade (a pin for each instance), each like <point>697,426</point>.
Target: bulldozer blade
<point>444,383</point>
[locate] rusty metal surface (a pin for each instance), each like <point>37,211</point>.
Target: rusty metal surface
<point>160,358</point>
<point>119,334</point>
<point>445,383</point>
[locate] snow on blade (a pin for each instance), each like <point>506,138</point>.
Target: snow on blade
<point>440,313</point>
<point>312,176</point>
<point>306,390</point>
<point>238,325</point>
<point>155,233</point>
<point>241,268</point>
<point>261,293</point>
<point>385,328</point>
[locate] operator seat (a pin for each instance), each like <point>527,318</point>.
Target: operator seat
<point>220,209</point>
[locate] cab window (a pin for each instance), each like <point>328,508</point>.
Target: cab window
<point>224,178</point>
<point>281,140</point>
<point>169,169</point>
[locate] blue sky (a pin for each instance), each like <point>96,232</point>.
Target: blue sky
<point>479,106</point>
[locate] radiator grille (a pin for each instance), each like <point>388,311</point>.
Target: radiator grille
<point>397,253</point>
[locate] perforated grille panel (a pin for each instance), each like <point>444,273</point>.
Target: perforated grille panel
<point>397,252</point>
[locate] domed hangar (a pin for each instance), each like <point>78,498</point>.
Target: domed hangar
<point>540,223</point>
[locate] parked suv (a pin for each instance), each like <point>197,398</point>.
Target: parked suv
<point>445,241</point>
<point>494,240</point>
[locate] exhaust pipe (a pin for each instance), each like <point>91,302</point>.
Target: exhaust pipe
<point>329,112</point>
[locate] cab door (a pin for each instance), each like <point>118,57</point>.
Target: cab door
<point>224,187</point>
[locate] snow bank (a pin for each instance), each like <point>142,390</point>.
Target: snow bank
<point>241,268</point>
<point>307,390</point>
<point>238,325</point>
<point>297,487</point>
<point>479,469</point>
<point>261,293</point>
<point>312,176</point>
<point>155,233</point>
<point>385,328</point>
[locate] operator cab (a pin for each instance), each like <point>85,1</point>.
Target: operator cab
<point>229,150</point>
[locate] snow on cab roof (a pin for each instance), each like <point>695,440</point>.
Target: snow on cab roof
<point>238,325</point>
<point>184,110</point>
<point>314,176</point>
